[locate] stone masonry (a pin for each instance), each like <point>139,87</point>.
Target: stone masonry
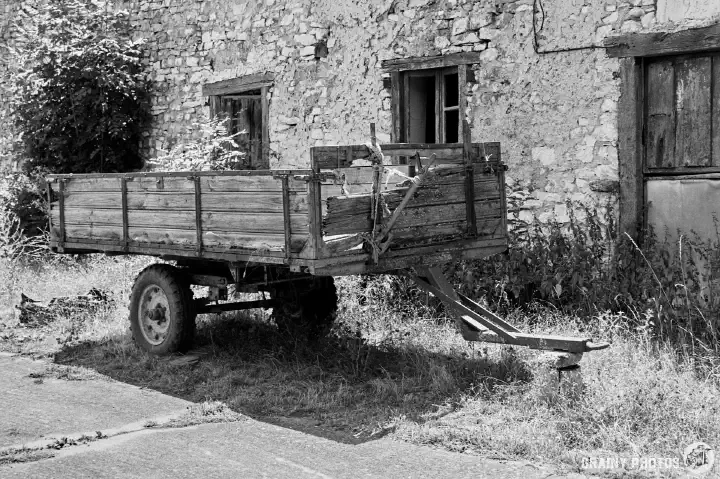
<point>554,113</point>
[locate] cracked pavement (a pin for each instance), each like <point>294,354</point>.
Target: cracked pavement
<point>105,426</point>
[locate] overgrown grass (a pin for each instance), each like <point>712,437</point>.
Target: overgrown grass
<point>665,281</point>
<point>396,366</point>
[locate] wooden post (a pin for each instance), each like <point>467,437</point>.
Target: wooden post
<point>265,127</point>
<point>462,100</point>
<point>198,215</point>
<point>314,208</point>
<point>286,214</point>
<point>469,181</point>
<point>375,203</point>
<point>630,167</point>
<point>61,205</point>
<point>125,227</point>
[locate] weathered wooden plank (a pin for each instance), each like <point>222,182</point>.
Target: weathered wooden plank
<point>253,241</point>
<point>240,84</point>
<point>265,127</point>
<point>487,227</point>
<point>663,43</point>
<point>94,232</point>
<point>469,180</point>
<point>92,184</point>
<point>425,196</point>
<point>220,221</point>
<point>693,117</point>
<point>314,217</point>
<point>396,102</point>
<point>198,216</point>
<point>174,201</point>
<point>333,157</point>
<point>629,144</point>
<point>421,63</point>
<point>255,183</point>
<point>60,219</point>
<point>427,216</point>
<point>660,149</point>
<point>180,237</point>
<point>249,183</point>
<point>491,227</point>
<point>286,214</point>
<point>124,206</point>
<point>715,93</point>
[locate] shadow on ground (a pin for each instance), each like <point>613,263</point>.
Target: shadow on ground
<point>341,387</point>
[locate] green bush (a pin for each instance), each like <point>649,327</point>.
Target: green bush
<point>79,95</point>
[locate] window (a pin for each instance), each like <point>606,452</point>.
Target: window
<point>428,98</point>
<point>244,102</point>
<point>431,109</point>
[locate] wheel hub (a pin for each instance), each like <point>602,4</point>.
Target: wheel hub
<point>154,311</point>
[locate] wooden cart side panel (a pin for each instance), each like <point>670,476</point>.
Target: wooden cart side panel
<point>436,213</point>
<point>235,211</point>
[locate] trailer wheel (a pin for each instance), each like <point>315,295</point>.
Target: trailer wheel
<point>307,308</point>
<point>162,315</point>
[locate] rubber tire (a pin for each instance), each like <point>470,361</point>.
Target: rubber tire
<point>182,311</point>
<point>307,307</point>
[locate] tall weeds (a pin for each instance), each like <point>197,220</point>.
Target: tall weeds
<point>584,267</point>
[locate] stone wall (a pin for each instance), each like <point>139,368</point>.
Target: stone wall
<point>555,112</point>
<point>688,11</point>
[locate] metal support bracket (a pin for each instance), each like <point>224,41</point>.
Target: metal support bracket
<point>479,324</point>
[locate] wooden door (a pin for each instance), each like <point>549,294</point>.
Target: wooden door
<point>681,139</point>
<point>246,118</point>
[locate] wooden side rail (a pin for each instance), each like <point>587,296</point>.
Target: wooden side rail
<point>332,157</point>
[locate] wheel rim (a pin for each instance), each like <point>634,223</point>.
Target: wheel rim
<point>154,315</point>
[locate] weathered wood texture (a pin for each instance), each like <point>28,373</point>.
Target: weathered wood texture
<point>629,140</point>
<point>692,135</point>
<point>681,121</point>
<point>663,43</point>
<point>420,63</point>
<point>333,157</point>
<point>236,212</point>
<point>238,85</point>
<point>437,211</point>
<point>257,216</point>
<point>660,146</point>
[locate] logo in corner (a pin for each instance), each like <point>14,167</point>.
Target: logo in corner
<point>699,458</point>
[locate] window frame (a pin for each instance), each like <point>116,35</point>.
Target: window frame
<point>237,86</point>
<point>400,69</point>
<point>440,98</point>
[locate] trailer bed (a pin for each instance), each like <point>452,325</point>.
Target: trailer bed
<point>306,220</point>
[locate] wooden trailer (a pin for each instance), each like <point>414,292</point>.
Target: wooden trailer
<point>401,208</point>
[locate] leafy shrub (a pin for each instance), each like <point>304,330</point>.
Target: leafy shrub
<point>22,197</point>
<point>213,149</point>
<point>79,95</point>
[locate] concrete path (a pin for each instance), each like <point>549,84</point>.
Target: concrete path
<point>35,407</point>
<point>248,448</point>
